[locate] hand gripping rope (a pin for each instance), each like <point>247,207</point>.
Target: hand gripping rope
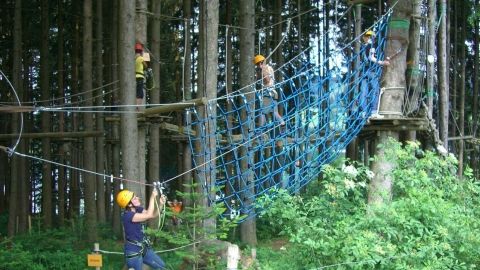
<point>161,212</point>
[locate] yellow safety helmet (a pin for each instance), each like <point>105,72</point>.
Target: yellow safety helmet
<point>369,33</point>
<point>124,197</point>
<point>258,58</point>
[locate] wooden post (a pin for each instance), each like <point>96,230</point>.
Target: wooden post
<point>233,256</point>
<point>96,249</point>
<point>95,259</point>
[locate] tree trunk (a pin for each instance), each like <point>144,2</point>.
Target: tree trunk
<point>89,146</point>
<point>476,63</point>
<point>100,149</point>
<point>3,181</point>
<point>453,90</point>
<point>154,146</point>
<point>432,14</point>
<point>141,36</point>
<point>117,226</point>
<point>443,82</point>
<point>15,167</point>
<point>461,90</point>
<point>352,148</point>
<point>129,131</point>
<point>413,67</point>
<point>187,88</point>
<point>380,188</point>
<point>74,188</point>
<point>210,86</point>
<point>23,191</point>
<point>61,83</point>
<point>248,231</point>
<point>47,209</point>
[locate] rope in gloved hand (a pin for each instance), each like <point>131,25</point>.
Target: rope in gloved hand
<point>161,212</point>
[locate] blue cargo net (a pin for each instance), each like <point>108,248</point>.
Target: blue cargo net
<point>239,156</point>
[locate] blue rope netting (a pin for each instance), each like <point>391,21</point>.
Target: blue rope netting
<point>239,159</point>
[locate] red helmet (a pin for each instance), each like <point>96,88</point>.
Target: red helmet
<point>138,47</point>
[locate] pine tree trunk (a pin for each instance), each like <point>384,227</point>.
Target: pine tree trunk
<point>74,188</point>
<point>23,191</point>
<point>3,180</point>
<point>61,83</point>
<point>463,79</point>
<point>89,180</point>
<point>187,88</point>
<point>443,75</point>
<point>476,64</point>
<point>154,145</point>
<point>15,167</point>
<point>453,90</point>
<point>141,36</point>
<point>413,68</point>
<point>47,208</point>
<point>394,81</point>
<point>352,149</point>
<point>117,226</point>
<point>100,149</point>
<point>432,14</point>
<point>210,83</point>
<point>129,131</point>
<point>248,231</point>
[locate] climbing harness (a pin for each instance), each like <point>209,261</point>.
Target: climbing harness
<point>144,245</point>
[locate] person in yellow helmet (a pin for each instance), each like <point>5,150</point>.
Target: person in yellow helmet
<point>264,74</point>
<point>369,86</point>
<point>137,247</point>
<point>140,67</point>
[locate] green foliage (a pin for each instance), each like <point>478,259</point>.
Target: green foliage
<point>3,223</point>
<point>430,223</point>
<point>54,249</point>
<point>285,258</point>
<point>190,229</point>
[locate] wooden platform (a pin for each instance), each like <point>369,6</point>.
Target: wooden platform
<point>396,123</point>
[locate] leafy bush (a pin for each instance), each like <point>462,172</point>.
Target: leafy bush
<point>429,224</point>
<point>53,249</point>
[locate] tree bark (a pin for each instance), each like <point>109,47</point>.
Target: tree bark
<point>128,121</point>
<point>210,86</point>
<point>47,208</point>
<point>100,141</point>
<point>413,68</point>
<point>453,90</point>
<point>88,122</point>
<point>352,148</point>
<point>141,36</point>
<point>380,188</point>
<point>154,146</point>
<point>117,226</point>
<point>461,97</point>
<point>432,14</point>
<point>476,63</point>
<point>3,181</point>
<point>14,209</point>
<point>248,231</point>
<point>74,185</point>
<point>61,83</point>
<point>187,88</point>
<point>443,75</point>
